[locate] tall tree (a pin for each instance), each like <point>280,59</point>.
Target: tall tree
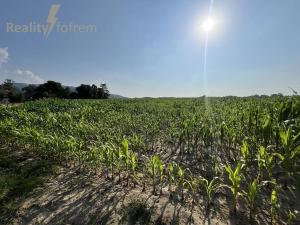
<point>104,91</point>
<point>84,91</point>
<point>7,90</point>
<point>51,89</point>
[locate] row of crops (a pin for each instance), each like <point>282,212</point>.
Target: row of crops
<point>192,148</point>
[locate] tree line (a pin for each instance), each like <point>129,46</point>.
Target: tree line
<point>50,89</point>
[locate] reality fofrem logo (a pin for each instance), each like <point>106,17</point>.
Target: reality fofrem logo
<point>51,25</point>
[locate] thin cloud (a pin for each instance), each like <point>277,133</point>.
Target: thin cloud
<point>28,76</point>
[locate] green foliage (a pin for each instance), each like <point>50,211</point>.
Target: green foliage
<point>126,154</point>
<point>181,181</point>
<point>7,90</point>
<point>291,149</point>
<point>235,178</point>
<point>210,187</point>
<point>155,166</point>
<point>265,160</point>
<point>245,151</point>
<point>171,174</point>
<point>274,203</point>
<point>251,194</point>
<point>292,216</point>
<point>133,163</point>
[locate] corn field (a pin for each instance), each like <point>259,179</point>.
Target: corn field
<point>247,148</point>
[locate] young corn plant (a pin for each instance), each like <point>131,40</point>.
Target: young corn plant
<point>119,162</point>
<point>250,196</point>
<point>210,187</point>
<point>126,157</point>
<point>93,158</point>
<point>265,160</point>
<point>274,204</point>
<point>245,152</point>
<point>171,175</point>
<point>106,157</point>
<point>193,184</point>
<point>153,166</point>
<point>181,181</point>
<point>160,166</point>
<point>133,164</point>
<point>292,216</point>
<point>290,149</point>
<point>111,161</point>
<point>101,158</point>
<point>269,164</point>
<point>261,161</point>
<point>267,129</point>
<point>235,178</point>
<point>145,171</point>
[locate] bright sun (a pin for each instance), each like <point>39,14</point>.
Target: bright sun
<point>208,25</point>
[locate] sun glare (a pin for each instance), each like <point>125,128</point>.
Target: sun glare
<point>208,25</point>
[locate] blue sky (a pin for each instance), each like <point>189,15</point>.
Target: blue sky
<point>155,48</point>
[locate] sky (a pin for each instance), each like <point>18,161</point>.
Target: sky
<point>156,48</point>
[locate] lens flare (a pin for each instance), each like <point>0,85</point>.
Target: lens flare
<point>207,27</point>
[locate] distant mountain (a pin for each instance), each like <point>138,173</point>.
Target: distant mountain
<point>114,96</point>
<point>20,86</point>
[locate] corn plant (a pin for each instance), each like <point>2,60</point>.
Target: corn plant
<point>154,164</point>
<point>292,216</point>
<point>109,156</point>
<point>245,151</point>
<point>288,141</point>
<point>111,161</point>
<point>274,204</point>
<point>181,181</point>
<point>145,171</point>
<point>160,167</point>
<point>133,164</point>
<point>265,160</point>
<point>267,129</point>
<point>126,157</point>
<point>261,161</point>
<point>193,184</point>
<point>251,195</point>
<point>269,164</point>
<point>171,175</point>
<point>235,178</point>
<point>210,187</point>
<point>103,156</point>
<point>93,158</point>
<point>119,162</point>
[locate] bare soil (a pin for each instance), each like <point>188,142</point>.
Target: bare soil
<point>77,198</point>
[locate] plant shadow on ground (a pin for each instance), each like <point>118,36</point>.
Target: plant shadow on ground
<point>137,212</point>
<point>19,175</point>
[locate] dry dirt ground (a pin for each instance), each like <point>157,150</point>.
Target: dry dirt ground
<point>70,196</point>
<point>76,198</point>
